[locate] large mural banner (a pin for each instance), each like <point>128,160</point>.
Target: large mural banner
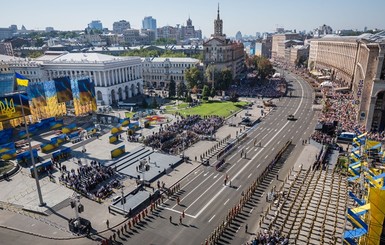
<point>63,89</point>
<point>11,108</point>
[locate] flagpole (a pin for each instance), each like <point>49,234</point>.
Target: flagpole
<point>42,203</point>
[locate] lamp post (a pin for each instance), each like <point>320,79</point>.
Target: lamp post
<point>41,202</point>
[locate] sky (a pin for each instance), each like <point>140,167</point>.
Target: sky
<point>246,16</point>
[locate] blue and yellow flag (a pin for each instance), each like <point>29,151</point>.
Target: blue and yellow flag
<point>21,80</point>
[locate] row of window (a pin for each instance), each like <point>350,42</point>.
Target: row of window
<point>168,65</point>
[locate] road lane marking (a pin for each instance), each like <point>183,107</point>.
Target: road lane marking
<point>251,211</point>
<point>247,164</point>
<point>194,189</point>
<point>249,176</point>
<point>216,176</point>
<point>203,194</point>
<point>190,181</point>
<point>258,165</point>
<point>179,212</point>
<point>263,193</point>
<point>212,218</point>
<point>226,201</point>
<point>266,156</point>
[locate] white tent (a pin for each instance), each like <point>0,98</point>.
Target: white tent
<point>326,84</point>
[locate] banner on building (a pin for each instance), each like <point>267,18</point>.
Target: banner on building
<point>36,94</point>
<point>10,107</point>
<point>63,89</point>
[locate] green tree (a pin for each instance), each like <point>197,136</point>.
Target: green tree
<point>212,92</point>
<point>225,79</point>
<point>154,103</point>
<point>205,92</point>
<point>172,88</point>
<point>172,54</point>
<point>181,89</point>
<point>144,103</point>
<point>165,41</point>
<point>198,56</point>
<point>209,73</point>
<point>35,54</point>
<point>189,98</point>
<point>192,76</point>
<point>39,42</point>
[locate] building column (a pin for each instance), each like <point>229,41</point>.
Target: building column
<point>105,78</point>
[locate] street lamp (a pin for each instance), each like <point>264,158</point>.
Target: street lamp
<point>41,202</point>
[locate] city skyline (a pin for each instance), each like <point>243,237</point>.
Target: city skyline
<point>258,16</point>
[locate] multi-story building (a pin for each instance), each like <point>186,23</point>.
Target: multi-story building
<point>149,23</point>
<point>322,31</point>
<point>6,48</point>
<point>298,53</point>
<point>96,25</point>
<point>222,53</point>
<point>188,32</point>
<point>279,44</point>
<point>158,72</point>
<point>358,63</point>
<point>131,37</point>
<point>168,32</point>
<point>6,33</point>
<point>116,78</point>
<point>120,26</point>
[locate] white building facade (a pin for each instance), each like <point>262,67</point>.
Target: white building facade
<point>158,72</point>
<point>115,78</point>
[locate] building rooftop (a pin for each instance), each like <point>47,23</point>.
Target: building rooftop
<point>88,58</point>
<point>7,59</point>
<point>378,37</point>
<point>172,59</point>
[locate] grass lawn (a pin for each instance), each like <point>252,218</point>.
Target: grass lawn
<point>219,108</point>
<point>129,114</point>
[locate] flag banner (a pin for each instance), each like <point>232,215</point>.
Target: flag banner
<point>113,138</point>
<point>69,128</point>
<point>63,89</point>
<point>7,155</point>
<point>118,151</point>
<point>21,80</point>
<point>7,82</point>
<point>10,107</point>
<point>7,147</point>
<point>116,130</point>
<point>26,155</point>
<point>36,94</point>
<point>56,124</point>
<point>124,122</point>
<point>87,94</point>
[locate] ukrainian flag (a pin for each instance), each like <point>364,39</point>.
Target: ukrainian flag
<point>21,80</point>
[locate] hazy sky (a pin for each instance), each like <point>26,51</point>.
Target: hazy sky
<point>247,16</point>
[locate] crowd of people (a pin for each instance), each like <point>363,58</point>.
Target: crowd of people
<point>269,238</point>
<point>86,179</point>
<point>274,88</point>
<point>173,138</point>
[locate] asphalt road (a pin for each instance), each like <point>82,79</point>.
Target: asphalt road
<point>204,197</point>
